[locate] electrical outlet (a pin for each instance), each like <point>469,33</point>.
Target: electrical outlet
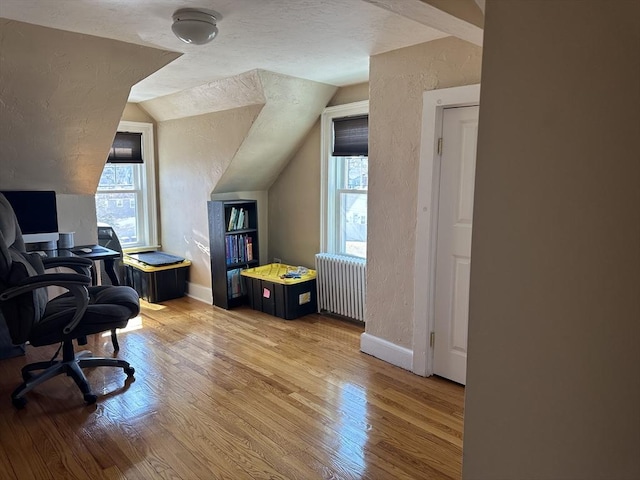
<point>277,260</point>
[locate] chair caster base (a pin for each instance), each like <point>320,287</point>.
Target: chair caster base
<point>19,403</point>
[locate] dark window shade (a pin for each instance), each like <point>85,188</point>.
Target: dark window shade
<point>351,136</point>
<point>126,148</point>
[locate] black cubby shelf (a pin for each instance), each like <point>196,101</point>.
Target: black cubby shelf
<point>233,244</point>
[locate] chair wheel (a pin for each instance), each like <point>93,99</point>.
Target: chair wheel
<point>129,371</point>
<point>19,403</point>
<point>90,398</point>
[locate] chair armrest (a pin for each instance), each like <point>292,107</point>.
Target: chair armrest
<point>64,280</point>
<point>77,264</point>
<point>75,283</point>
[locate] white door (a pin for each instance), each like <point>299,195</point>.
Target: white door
<point>453,248</point>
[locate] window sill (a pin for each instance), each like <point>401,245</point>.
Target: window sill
<point>144,248</point>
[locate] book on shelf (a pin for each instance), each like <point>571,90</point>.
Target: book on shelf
<point>240,220</point>
<point>238,248</point>
<point>240,242</point>
<point>249,248</point>
<point>232,219</point>
<point>235,286</point>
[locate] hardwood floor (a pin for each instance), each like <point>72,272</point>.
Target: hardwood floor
<point>236,395</point>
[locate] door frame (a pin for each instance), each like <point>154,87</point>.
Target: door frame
<point>433,104</point>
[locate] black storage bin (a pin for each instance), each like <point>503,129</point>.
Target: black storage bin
<point>156,284</point>
<point>284,298</point>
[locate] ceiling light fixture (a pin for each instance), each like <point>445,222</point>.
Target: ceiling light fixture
<point>195,26</point>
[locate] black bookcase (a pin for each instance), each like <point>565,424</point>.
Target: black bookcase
<point>233,244</point>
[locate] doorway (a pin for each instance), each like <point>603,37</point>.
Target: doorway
<point>453,241</point>
<point>452,293</point>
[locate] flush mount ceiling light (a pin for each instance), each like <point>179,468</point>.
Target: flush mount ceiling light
<point>195,26</point>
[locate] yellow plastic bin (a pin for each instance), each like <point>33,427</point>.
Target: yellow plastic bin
<point>271,292</point>
<point>156,284</point>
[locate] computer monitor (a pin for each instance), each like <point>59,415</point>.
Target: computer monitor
<point>37,214</point>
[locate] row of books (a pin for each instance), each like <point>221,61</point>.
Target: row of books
<point>235,285</point>
<point>239,248</point>
<point>238,220</point>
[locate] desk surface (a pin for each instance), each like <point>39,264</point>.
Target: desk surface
<point>97,252</point>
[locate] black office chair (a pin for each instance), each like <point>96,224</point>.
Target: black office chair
<point>32,317</point>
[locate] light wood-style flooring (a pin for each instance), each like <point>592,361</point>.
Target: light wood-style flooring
<point>236,395</point>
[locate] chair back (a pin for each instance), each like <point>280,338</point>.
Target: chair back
<point>24,311</point>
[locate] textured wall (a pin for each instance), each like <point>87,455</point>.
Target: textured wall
<point>134,113</point>
<point>77,213</point>
<point>193,154</point>
<point>294,198</point>
<point>350,94</point>
<point>290,110</point>
<point>553,379</point>
<point>294,206</point>
<point>226,152</point>
<point>397,81</point>
<point>224,94</point>
<point>61,97</point>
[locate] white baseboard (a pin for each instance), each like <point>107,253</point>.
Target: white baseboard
<point>385,350</point>
<point>204,294</point>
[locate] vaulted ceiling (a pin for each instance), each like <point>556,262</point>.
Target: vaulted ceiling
<point>68,68</point>
<point>326,41</point>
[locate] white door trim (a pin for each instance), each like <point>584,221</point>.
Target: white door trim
<point>433,102</point>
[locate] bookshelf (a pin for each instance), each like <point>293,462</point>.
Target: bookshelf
<point>233,244</point>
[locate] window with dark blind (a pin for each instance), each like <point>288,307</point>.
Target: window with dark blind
<point>125,197</point>
<point>345,179</point>
<point>126,148</point>
<point>351,136</point>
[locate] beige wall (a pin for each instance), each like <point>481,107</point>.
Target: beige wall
<point>553,381</point>
<point>133,113</point>
<point>294,206</point>
<point>350,94</point>
<point>62,97</point>
<point>193,153</point>
<point>63,94</point>
<point>294,198</point>
<point>396,82</point>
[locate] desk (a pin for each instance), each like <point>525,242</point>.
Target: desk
<point>98,253</point>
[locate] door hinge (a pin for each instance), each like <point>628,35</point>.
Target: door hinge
<point>440,146</point>
<point>432,339</point>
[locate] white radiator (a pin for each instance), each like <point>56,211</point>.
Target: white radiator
<point>341,282</point>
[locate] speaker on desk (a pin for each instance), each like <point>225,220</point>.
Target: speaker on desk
<point>107,238</point>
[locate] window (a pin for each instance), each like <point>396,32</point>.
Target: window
<point>125,198</point>
<point>345,179</point>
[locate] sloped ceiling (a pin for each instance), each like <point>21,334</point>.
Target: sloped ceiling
<point>327,41</point>
<point>63,93</point>
<point>290,107</point>
<point>461,18</point>
<point>61,97</point>
<point>216,96</point>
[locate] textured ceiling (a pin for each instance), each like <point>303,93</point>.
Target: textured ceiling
<point>327,41</point>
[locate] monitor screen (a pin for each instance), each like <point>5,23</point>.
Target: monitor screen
<point>37,214</point>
